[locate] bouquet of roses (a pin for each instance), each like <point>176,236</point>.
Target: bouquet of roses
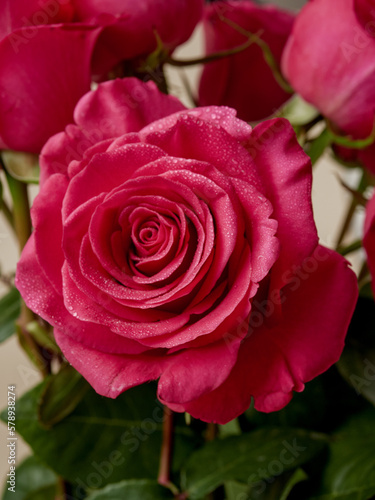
<point>193,337</point>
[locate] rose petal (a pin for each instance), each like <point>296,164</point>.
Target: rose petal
<point>110,374</point>
<point>122,106</point>
<point>299,347</point>
<point>51,72</point>
<point>41,297</point>
<point>205,368</point>
<point>330,60</point>
<point>286,173</point>
<point>28,14</point>
<point>369,237</point>
<point>244,81</point>
<point>46,217</point>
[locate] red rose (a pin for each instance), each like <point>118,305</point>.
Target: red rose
<point>180,245</point>
<point>49,50</point>
<point>330,60</point>
<point>369,237</point>
<point>244,81</point>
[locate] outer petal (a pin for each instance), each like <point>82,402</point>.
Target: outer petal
<point>286,173</point>
<point>369,238</point>
<point>42,298</point>
<point>309,338</point>
<point>110,374</point>
<point>204,368</point>
<point>123,106</point>
<point>116,108</point>
<point>330,60</point>
<point>46,216</point>
<point>244,81</point>
<point>27,14</point>
<point>41,84</point>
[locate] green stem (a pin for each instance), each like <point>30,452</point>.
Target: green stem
<point>22,224</point>
<point>7,213</point>
<point>353,247</point>
<point>21,209</point>
<point>363,183</point>
<point>267,54</point>
<point>252,38</point>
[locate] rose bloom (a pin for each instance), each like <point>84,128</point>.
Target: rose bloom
<point>51,49</point>
<point>244,81</point>
<point>180,245</point>
<point>330,60</point>
<point>369,238</point>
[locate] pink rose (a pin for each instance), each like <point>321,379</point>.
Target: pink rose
<point>49,50</point>
<point>244,81</point>
<point>369,238</point>
<point>180,245</point>
<point>330,60</point>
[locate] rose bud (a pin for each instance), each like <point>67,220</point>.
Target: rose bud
<point>50,50</point>
<point>330,60</point>
<point>180,245</point>
<point>244,81</point>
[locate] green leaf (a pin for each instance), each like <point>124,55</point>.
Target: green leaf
<point>317,147</point>
<point>358,369</point>
<point>248,458</point>
<point>132,490</point>
<point>10,309</point>
<point>272,489</point>
<point>298,111</point>
<point>34,481</point>
<point>42,337</point>
<point>62,393</point>
<point>232,428</point>
<point>103,440</point>
<point>22,166</point>
<point>350,471</point>
<point>235,490</point>
<point>357,362</point>
<point>298,476</point>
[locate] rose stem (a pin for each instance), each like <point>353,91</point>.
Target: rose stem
<point>166,449</point>
<point>363,183</point>
<point>22,223</point>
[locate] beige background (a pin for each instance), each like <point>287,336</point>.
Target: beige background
<point>329,200</point>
